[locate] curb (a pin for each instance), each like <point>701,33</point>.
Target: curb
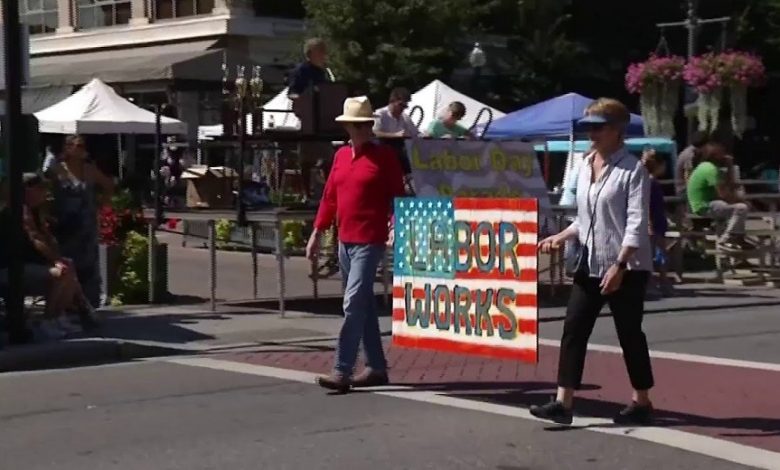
<point>76,353</point>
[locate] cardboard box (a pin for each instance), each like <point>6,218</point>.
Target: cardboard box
<point>210,187</point>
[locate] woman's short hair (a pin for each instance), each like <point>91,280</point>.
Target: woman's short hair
<point>311,45</point>
<point>611,109</point>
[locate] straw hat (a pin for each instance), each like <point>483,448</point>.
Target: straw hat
<point>357,109</point>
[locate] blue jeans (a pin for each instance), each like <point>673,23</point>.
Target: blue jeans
<point>358,265</point>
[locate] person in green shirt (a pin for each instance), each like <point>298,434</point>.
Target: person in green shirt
<point>709,195</point>
<point>447,127</point>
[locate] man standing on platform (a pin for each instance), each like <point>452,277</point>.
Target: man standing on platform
<point>311,73</point>
<point>393,126</point>
<point>365,179</point>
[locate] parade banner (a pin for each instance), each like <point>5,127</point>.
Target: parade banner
<point>465,276</point>
<point>468,168</point>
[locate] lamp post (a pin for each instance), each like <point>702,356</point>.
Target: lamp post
<point>477,60</point>
<point>243,97</point>
<point>693,24</point>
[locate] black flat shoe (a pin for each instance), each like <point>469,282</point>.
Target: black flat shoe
<point>553,411</point>
<point>635,414</point>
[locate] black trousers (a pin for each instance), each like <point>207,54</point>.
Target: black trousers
<point>627,306</point>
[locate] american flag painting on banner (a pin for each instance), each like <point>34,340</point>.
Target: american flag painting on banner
<point>465,276</point>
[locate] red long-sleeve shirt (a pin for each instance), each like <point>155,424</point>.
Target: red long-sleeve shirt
<point>359,193</point>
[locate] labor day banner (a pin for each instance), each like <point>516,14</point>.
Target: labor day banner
<point>463,168</point>
<point>465,276</point>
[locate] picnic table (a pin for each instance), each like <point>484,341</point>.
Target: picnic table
<point>680,233</point>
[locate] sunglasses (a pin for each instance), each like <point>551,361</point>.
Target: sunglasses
<point>596,127</point>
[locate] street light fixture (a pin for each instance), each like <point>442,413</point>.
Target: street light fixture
<point>477,60</point>
<point>477,57</point>
<point>242,98</point>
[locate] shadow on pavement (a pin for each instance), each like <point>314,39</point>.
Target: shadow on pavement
<point>746,426</point>
<point>325,305</point>
<point>457,387</point>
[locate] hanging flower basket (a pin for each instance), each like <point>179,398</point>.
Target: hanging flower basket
<point>657,81</point>
<point>711,74</point>
<point>741,71</point>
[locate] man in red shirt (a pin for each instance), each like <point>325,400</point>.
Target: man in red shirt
<point>365,179</point>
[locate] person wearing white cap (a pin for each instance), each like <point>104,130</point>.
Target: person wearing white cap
<point>365,179</point>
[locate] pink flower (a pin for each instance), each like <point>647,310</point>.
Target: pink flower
<point>654,71</point>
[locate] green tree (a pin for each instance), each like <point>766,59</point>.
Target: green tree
<point>540,59</point>
<point>380,44</point>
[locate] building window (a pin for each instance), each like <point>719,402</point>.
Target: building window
<point>167,9</point>
<point>40,16</point>
<point>101,13</point>
<point>286,9</point>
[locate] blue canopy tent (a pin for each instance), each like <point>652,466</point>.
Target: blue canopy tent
<point>551,118</point>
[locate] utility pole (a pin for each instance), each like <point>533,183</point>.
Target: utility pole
<point>15,153</point>
<point>693,25</point>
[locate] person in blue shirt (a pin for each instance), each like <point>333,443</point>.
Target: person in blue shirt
<point>310,73</point>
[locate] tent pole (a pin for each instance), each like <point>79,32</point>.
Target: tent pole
<point>158,211</point>
<point>546,163</point>
<point>120,169</point>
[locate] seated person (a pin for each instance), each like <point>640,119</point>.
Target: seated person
<point>687,161</point>
<point>44,268</point>
<point>447,127</point>
<point>710,194</point>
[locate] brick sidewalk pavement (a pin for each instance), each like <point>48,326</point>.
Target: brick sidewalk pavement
<point>724,402</point>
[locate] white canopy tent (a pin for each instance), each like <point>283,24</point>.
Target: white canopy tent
<point>97,109</point>
<point>436,96</point>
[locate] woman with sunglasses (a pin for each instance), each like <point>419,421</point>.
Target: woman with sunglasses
<point>612,263</point>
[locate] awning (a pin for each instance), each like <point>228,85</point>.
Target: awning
<point>38,98</point>
<point>189,61</point>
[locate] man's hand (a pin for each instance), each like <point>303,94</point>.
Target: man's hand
<point>391,237</point>
<point>612,280</point>
<point>552,243</point>
<point>313,246</point>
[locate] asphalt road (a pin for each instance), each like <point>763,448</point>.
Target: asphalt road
<point>157,415</point>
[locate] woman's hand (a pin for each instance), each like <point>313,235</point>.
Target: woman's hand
<point>552,243</point>
<point>612,280</point>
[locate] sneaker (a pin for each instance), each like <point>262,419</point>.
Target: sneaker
<point>65,325</point>
<point>51,329</point>
<point>89,318</point>
<point>635,414</point>
<point>553,411</point>
<point>729,246</point>
<point>667,289</point>
<point>746,245</point>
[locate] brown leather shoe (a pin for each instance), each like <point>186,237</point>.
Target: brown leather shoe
<point>370,378</point>
<point>334,381</point>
